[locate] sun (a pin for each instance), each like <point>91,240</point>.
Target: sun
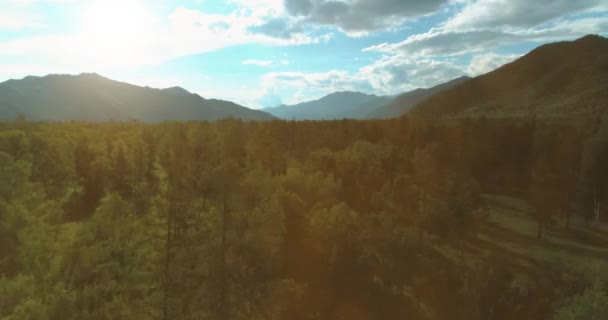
<point>115,32</point>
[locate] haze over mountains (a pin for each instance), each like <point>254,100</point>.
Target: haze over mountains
<point>404,102</point>
<point>90,97</point>
<point>562,79</point>
<point>357,105</point>
<point>338,105</point>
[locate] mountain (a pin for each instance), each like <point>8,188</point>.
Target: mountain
<point>91,97</point>
<point>338,105</point>
<point>404,102</point>
<point>564,80</point>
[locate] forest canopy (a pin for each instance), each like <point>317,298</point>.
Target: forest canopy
<point>304,220</point>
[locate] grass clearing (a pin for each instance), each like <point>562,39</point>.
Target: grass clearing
<point>510,227</point>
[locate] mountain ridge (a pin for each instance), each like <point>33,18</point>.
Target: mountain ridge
<point>359,105</point>
<point>334,106</point>
<point>563,79</point>
<point>92,97</point>
<point>405,101</point>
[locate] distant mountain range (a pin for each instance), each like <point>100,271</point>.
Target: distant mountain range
<point>338,105</point>
<point>357,105</point>
<point>564,79</point>
<point>91,97</point>
<point>404,102</point>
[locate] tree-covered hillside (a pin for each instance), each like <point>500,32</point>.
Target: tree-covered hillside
<point>467,219</point>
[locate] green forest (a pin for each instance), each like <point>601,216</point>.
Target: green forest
<point>398,219</point>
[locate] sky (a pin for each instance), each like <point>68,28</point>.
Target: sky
<point>263,53</point>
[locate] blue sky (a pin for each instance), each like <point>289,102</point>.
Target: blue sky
<point>262,53</point>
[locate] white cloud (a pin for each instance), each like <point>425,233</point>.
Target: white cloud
<point>270,99</point>
<point>17,22</point>
<point>132,36</point>
<point>446,42</point>
<point>482,14</point>
<point>276,88</point>
<point>192,31</point>
<point>424,60</point>
<point>399,73</point>
<point>386,76</point>
<point>14,18</point>
<point>330,81</point>
<point>360,17</point>
<point>485,63</point>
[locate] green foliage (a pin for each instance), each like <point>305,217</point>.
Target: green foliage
<point>591,304</point>
<point>14,176</point>
<point>281,220</point>
<point>16,143</point>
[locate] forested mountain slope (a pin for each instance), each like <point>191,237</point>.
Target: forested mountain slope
<point>91,97</point>
<point>564,79</point>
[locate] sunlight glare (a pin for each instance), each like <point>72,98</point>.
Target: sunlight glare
<point>116,32</point>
